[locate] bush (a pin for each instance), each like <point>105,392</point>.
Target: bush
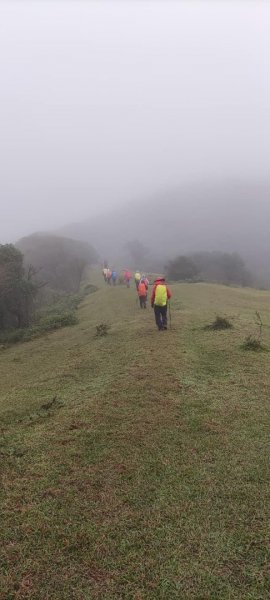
<point>13,336</point>
<point>102,329</point>
<point>49,318</point>
<point>55,321</point>
<point>218,324</point>
<point>89,289</point>
<point>46,324</point>
<point>253,343</point>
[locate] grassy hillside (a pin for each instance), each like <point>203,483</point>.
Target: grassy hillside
<point>136,466</point>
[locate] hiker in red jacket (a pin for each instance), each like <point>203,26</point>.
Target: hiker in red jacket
<point>127,277</point>
<point>159,301</point>
<point>142,293</point>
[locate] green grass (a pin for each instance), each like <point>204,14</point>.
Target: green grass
<point>136,465</point>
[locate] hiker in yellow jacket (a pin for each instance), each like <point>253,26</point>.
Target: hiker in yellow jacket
<point>159,301</point>
<point>137,278</point>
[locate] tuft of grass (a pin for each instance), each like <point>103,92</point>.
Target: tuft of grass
<point>253,343</point>
<point>102,329</point>
<point>218,324</point>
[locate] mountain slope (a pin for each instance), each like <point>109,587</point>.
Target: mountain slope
<point>227,217</point>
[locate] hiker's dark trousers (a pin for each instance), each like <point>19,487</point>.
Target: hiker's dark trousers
<point>161,316</point>
<point>143,301</point>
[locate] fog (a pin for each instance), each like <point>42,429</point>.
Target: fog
<point>106,104</point>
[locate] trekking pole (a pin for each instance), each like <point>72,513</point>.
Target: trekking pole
<point>170,314</point>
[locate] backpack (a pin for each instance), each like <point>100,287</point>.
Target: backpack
<point>161,297</point>
<point>142,289</point>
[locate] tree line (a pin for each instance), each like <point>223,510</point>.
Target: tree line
<point>217,267</point>
<point>41,268</point>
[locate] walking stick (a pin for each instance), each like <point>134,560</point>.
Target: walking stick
<point>170,314</point>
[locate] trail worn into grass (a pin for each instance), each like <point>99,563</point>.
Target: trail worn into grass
<point>136,465</point>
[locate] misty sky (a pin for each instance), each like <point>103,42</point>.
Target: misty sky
<point>106,101</point>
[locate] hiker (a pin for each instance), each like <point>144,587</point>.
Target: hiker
<point>145,280</point>
<point>127,277</point>
<point>137,278</point>
<point>108,276</point>
<point>114,276</point>
<point>159,301</point>
<point>104,273</point>
<point>142,293</point>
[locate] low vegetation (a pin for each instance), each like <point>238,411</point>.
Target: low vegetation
<point>47,318</point>
<point>253,343</point>
<point>55,319</point>
<point>102,329</point>
<point>218,324</point>
<point>30,306</point>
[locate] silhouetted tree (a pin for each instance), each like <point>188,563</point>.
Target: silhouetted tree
<point>59,261</point>
<point>181,268</point>
<point>17,289</point>
<point>222,267</point>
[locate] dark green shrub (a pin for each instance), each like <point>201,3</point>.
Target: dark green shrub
<point>102,329</point>
<point>12,337</point>
<point>55,321</point>
<point>49,318</point>
<point>89,289</point>
<point>253,343</point>
<point>48,323</point>
<point>218,324</point>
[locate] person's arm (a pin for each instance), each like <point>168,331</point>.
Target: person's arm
<point>169,293</point>
<point>153,295</point>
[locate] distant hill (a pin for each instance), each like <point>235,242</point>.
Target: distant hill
<point>231,216</point>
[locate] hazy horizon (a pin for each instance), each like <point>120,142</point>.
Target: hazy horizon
<point>104,103</point>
